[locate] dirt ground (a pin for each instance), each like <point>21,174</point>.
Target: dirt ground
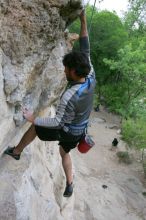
<point>106,189</point>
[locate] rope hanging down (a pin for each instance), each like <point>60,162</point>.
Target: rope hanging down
<point>92,17</point>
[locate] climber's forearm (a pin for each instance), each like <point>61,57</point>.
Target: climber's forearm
<point>84,40</point>
<point>83,30</point>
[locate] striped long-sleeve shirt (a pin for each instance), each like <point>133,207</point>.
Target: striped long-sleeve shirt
<point>75,104</point>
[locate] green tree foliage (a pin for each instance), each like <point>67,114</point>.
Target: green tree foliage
<point>135,18</point>
<point>106,39</point>
<point>130,72</point>
<point>134,132</point>
<point>107,35</point>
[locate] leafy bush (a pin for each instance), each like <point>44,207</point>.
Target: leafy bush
<point>134,132</point>
<point>114,100</point>
<point>124,157</point>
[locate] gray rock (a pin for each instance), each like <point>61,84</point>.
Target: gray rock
<point>113,126</point>
<point>119,131</point>
<point>32,45</point>
<point>98,120</point>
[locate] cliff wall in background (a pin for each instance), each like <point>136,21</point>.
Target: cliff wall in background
<point>32,45</point>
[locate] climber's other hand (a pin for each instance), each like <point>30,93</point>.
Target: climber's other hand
<point>28,115</point>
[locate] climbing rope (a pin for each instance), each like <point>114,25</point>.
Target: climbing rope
<point>91,17</point>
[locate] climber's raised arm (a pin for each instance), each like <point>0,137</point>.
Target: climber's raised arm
<point>84,40</point>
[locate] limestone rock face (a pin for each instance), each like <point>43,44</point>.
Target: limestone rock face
<point>32,45</point>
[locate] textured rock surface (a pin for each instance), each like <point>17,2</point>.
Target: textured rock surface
<point>32,45</point>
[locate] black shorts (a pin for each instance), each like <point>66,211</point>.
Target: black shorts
<point>66,141</point>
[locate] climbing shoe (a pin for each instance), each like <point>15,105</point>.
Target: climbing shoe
<point>68,190</point>
<point>9,151</point>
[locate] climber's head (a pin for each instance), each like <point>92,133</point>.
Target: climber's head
<point>76,65</point>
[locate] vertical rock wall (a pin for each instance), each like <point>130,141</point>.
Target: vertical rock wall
<point>32,45</point>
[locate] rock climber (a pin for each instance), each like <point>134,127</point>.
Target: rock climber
<point>72,114</point>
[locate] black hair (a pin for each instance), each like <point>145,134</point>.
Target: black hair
<point>78,61</point>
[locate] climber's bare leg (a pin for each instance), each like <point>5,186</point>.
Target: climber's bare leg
<point>67,165</point>
<point>27,138</point>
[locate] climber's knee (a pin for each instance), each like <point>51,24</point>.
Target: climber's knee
<point>62,152</point>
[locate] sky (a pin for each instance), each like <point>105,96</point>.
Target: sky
<point>112,5</point>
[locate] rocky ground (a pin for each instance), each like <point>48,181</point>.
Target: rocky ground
<point>104,188</point>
